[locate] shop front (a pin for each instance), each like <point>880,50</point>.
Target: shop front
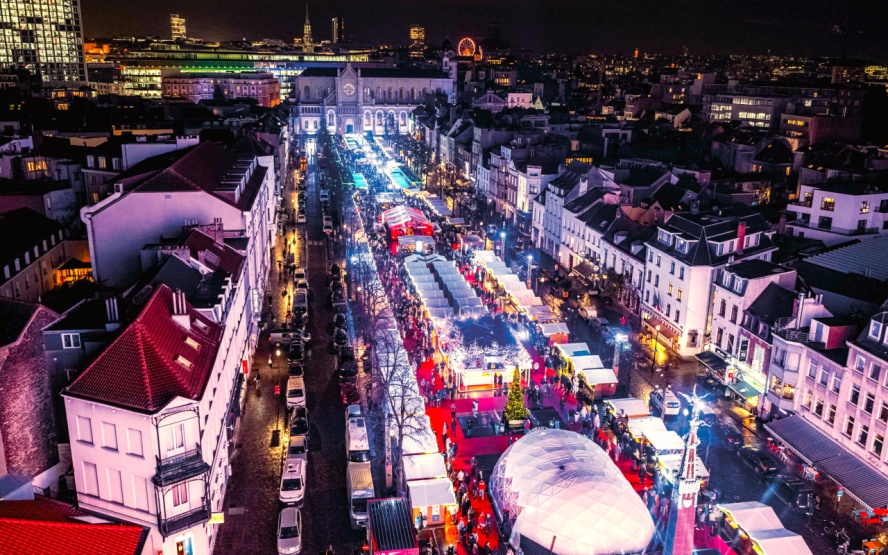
<point>663,334</point>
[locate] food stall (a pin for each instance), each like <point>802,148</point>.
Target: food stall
<point>390,528</point>
<point>432,500</point>
<point>424,467</point>
<point>628,408</point>
<point>403,220</point>
<point>555,332</point>
<point>415,243</point>
<point>600,380</point>
<point>753,528</point>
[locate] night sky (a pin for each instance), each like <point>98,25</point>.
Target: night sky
<point>705,26</point>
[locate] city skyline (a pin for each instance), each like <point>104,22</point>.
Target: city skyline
<point>736,28</point>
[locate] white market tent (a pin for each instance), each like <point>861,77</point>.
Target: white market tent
<point>485,256</point>
<point>411,240</point>
<point>672,464</point>
<point>542,314</point>
<point>423,467</point>
<point>629,407</point>
<point>572,350</point>
<point>666,443</point>
<point>598,376</point>
<point>761,524</point>
<point>554,328</point>
<point>434,499</point>
<point>641,427</point>
<point>419,438</point>
<point>557,483</point>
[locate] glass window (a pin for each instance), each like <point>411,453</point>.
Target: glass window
<point>672,268</point>
<point>875,372</point>
<point>848,427</point>
<point>677,314</point>
<point>812,369</point>
<point>824,223</point>
<point>863,434</point>
<point>864,207</point>
<point>837,383</point>
<point>869,403</point>
<point>859,363</point>
<point>854,394</point>
<point>831,415</point>
<point>678,296</point>
<point>70,340</point>
<point>828,203</point>
<point>180,494</point>
<point>681,273</point>
<point>878,443</point>
<point>875,330</point>
<point>818,407</point>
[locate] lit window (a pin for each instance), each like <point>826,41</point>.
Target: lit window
<point>183,361</point>
<point>875,330</point>
<point>192,343</point>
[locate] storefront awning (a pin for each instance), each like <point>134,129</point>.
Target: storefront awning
<point>584,270</point>
<point>745,389</point>
<point>862,482</point>
<point>712,361</point>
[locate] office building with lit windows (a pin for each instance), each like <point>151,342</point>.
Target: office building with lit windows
<point>177,27</point>
<point>262,87</point>
<point>44,37</point>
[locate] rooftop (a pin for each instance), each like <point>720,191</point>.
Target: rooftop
<point>14,318</point>
<point>755,268</point>
<point>21,229</point>
<point>153,360</point>
<point>772,303</point>
<point>868,258</point>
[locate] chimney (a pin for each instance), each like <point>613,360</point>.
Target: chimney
<point>741,236</point>
<point>112,320</point>
<point>180,310</point>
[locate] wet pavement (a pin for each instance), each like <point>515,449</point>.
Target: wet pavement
<point>252,505</point>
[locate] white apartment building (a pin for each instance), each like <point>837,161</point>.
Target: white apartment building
<point>682,266</point>
<point>147,421</point>
<point>583,217</point>
<point>547,206</point>
<point>842,408</point>
<point>836,212</point>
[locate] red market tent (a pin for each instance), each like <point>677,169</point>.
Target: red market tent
<point>403,220</point>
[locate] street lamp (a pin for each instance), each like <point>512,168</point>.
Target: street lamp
<point>503,237</point>
<point>655,346</point>
<point>529,269</point>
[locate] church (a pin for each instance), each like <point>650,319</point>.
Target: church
<point>379,100</point>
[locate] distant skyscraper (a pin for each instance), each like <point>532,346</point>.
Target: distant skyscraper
<point>337,33</point>
<point>43,36</point>
<point>417,40</point>
<point>177,26</point>
<point>636,54</point>
<point>307,43</point>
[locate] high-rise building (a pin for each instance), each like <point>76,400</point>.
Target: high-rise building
<point>337,30</point>
<point>44,37</point>
<point>177,26</point>
<point>417,40</point>
<point>307,43</point>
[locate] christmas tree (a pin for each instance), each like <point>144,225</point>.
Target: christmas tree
<point>515,404</point>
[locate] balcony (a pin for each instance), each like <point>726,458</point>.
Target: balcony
<point>783,328</point>
<point>180,467</point>
<point>173,524</point>
<point>781,402</point>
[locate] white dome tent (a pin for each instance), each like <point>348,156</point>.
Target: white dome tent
<point>560,486</point>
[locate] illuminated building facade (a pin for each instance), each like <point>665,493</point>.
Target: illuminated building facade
<point>177,27</point>
<point>417,41</point>
<point>262,87</point>
<point>44,37</point>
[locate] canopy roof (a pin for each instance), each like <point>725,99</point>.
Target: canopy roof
<point>557,483</point>
<point>422,467</point>
<point>629,407</point>
<point>642,427</point>
<point>573,349</point>
<point>599,376</point>
<point>554,328</point>
<point>401,215</point>
<point>429,493</point>
<point>413,239</point>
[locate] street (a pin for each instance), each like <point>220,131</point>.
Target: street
<point>252,503</point>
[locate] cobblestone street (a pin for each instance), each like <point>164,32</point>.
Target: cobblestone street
<point>252,503</point>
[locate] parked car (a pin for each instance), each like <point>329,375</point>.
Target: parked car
<point>791,490</point>
<point>296,353</point>
<point>289,532</point>
<point>300,275</point>
<point>301,285</point>
<point>295,392</point>
<point>340,321</point>
<point>297,449</point>
<point>729,433</point>
<point>328,228</point>
<point>300,301</point>
<point>300,218</point>
<point>292,489</point>
<point>295,370</point>
<point>299,422</point>
<point>599,323</point>
<point>758,460</point>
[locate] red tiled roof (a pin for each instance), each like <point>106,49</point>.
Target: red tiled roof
<point>139,370</point>
<point>43,526</point>
<point>230,261</point>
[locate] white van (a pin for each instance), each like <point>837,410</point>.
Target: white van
<point>357,444</point>
<point>295,392</point>
<point>292,488</point>
<point>359,484</point>
<point>666,402</point>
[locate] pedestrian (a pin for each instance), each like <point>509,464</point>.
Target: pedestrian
<point>453,412</point>
<point>475,408</point>
<point>617,452</point>
<point>482,487</point>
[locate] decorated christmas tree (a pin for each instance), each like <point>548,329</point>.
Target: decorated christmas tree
<point>515,404</point>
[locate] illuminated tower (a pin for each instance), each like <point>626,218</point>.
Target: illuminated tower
<point>336,36</point>
<point>417,41</point>
<point>306,33</point>
<point>682,510</point>
<point>636,54</point>
<point>177,26</point>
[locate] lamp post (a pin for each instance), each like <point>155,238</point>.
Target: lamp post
<point>529,269</point>
<point>503,238</point>
<point>655,346</point>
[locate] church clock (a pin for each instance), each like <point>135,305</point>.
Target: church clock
<point>348,89</point>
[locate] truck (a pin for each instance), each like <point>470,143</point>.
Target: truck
<point>359,485</point>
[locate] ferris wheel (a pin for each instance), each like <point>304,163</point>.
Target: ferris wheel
<point>466,47</point>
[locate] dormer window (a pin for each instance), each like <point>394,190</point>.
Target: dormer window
<point>184,362</point>
<point>726,279</point>
<point>738,285</point>
<point>681,245</point>
<point>875,330</point>
<point>192,343</point>
<point>664,237</point>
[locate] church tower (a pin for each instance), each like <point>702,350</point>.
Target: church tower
<point>679,538</point>
<point>307,43</point>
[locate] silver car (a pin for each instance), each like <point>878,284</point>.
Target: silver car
<point>289,532</point>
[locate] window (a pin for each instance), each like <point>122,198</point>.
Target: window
<point>180,494</point>
<point>672,268</point>
<point>869,403</point>
<point>812,369</point>
<point>91,479</point>
<point>738,285</point>
<point>677,314</point>
<point>854,395</point>
<point>848,427</point>
<point>681,273</point>
<point>718,337</point>
<point>878,443</point>
<point>863,434</point>
<point>109,436</point>
<point>883,412</point>
<point>651,256</point>
<point>70,340</point>
<point>649,276</point>
<point>134,442</point>
<point>734,314</point>
<point>875,372</point>
<point>668,309</point>
<point>818,407</point>
<point>103,162</point>
<point>864,206</point>
<point>37,166</point>
<point>658,261</point>
<point>670,290</point>
<point>828,204</point>
<point>722,308</point>
<point>175,438</point>
<point>875,330</point>
<point>824,223</point>
<point>859,363</point>
<point>678,296</point>
<point>192,343</point>
<point>84,429</point>
<point>831,416</point>
<point>837,383</point>
<point>656,281</point>
<point>91,160</point>
<point>824,377</point>
<point>806,402</point>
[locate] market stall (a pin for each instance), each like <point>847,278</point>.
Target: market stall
<point>752,527</point>
<point>415,243</point>
<point>602,381</point>
<point>628,408</point>
<point>432,499</point>
<point>403,220</point>
<point>555,332</point>
<point>424,467</point>
<point>643,426</point>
